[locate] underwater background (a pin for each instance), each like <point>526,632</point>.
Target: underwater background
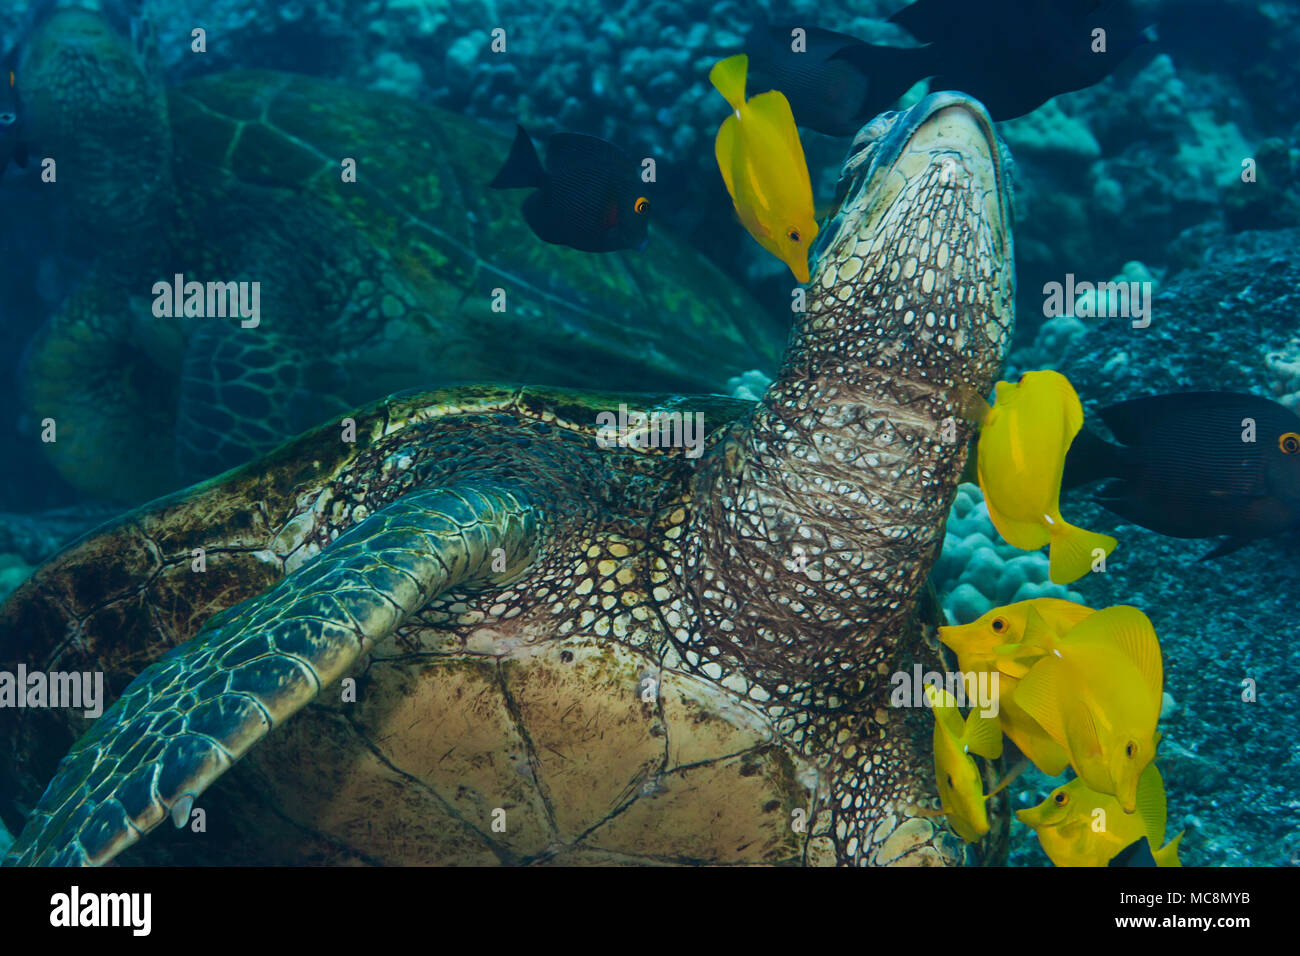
<point>1138,178</point>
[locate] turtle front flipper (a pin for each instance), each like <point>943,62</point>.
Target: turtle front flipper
<point>187,718</point>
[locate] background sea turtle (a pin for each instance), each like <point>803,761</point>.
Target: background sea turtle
<point>615,653</point>
<point>366,287</point>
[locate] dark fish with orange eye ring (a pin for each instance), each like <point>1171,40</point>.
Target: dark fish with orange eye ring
<point>588,197</point>
<point>1196,465</point>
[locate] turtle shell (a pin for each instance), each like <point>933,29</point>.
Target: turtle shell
<point>470,736</point>
<point>409,274</point>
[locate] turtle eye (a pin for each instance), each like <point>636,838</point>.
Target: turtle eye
<point>999,625</point>
<point>1289,443</point>
<point>1061,798</point>
<point>641,205</point>
<point>7,119</point>
<point>792,235</point>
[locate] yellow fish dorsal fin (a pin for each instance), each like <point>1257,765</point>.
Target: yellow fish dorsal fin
<point>1151,808</point>
<point>983,735</point>
<point>1130,631</point>
<point>725,147</point>
<point>774,109</point>
<point>1061,614</point>
<point>728,78</point>
<point>1136,637</point>
<point>1168,855</point>
<point>1072,406</point>
<point>1038,695</point>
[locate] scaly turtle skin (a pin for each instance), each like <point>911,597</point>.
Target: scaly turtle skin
<point>414,274</point>
<point>559,651</point>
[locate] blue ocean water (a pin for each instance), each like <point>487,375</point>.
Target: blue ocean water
<point>1167,191</point>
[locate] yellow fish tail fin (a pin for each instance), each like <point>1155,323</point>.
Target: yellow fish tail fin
<point>983,735</point>
<point>1151,804</point>
<point>1073,551</point>
<point>728,78</point>
<point>1168,855</point>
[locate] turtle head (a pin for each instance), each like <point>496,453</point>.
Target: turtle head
<point>95,105</point>
<point>831,497</point>
<point>923,224</point>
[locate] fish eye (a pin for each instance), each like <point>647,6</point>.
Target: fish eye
<point>999,624</point>
<point>1130,750</point>
<point>641,205</point>
<point>1061,798</point>
<point>1289,443</point>
<point>948,777</point>
<point>792,235</point>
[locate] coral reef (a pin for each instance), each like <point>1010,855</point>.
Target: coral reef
<point>978,571</point>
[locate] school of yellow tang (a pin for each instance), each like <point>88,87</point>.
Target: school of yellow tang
<point>1074,688</point>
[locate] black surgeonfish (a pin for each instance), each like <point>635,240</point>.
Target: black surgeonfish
<point>589,196</point>
<point>836,83</point>
<point>1137,853</point>
<point>12,146</point>
<point>1011,55</point>
<point>1196,465</point>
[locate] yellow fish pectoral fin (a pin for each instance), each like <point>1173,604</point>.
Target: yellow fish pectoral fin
<point>728,78</point>
<point>1039,694</point>
<point>1151,808</point>
<point>1073,551</point>
<point>1015,660</point>
<point>1070,404</point>
<point>983,735</point>
<point>1168,855</point>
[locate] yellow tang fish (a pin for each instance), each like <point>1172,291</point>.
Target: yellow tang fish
<point>961,789</point>
<point>1022,446</point>
<point>1074,833</point>
<point>1097,694</point>
<point>986,645</point>
<point>762,163</point>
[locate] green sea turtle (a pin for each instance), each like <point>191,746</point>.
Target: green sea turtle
<point>489,631</point>
<point>414,274</point>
